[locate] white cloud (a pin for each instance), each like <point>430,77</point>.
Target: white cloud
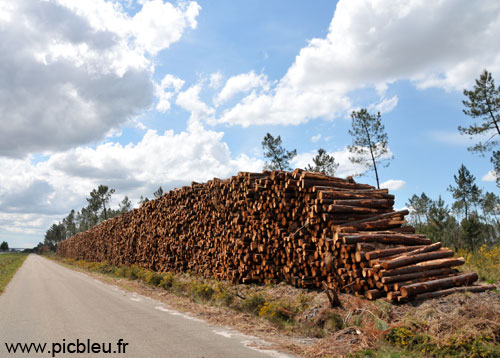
<point>160,24</point>
<point>216,80</point>
<point>78,69</point>
<point>489,177</point>
<point>191,102</point>
<point>316,137</point>
<point>35,194</point>
<point>241,84</point>
<point>385,105</point>
<point>393,184</point>
<point>371,44</point>
<point>168,82</point>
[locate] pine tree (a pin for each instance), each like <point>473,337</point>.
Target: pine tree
<point>99,198</point>
<point>158,192</point>
<point>324,163</point>
<point>466,193</point>
<point>419,206</point>
<point>369,142</point>
<point>484,103</point>
<point>279,156</point>
<point>125,205</point>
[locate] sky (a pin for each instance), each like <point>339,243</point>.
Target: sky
<point>139,94</point>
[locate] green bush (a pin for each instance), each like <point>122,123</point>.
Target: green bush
<point>202,291</point>
<point>253,303</point>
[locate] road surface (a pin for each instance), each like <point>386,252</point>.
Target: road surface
<point>48,303</point>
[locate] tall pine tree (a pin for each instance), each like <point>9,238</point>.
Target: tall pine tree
<point>369,141</point>
<point>483,103</point>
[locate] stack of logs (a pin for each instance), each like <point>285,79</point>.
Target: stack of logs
<point>306,228</point>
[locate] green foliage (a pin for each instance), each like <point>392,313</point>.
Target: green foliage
<point>4,246</point>
<point>412,341</point>
<point>202,291</point>
<point>253,304</point>
<point>485,261</point>
<point>323,163</point>
<point>9,264</point>
<point>483,103</point>
<point>55,234</point>
<point>125,205</point>
<point>279,156</point>
<point>466,192</point>
<point>98,199</point>
<point>158,192</point>
<point>369,140</point>
<point>419,207</point>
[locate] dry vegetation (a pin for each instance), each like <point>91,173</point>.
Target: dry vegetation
<point>300,321</point>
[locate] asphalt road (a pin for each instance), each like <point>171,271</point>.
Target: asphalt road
<point>48,303</point>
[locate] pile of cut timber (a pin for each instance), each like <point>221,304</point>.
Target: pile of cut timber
<point>305,228</point>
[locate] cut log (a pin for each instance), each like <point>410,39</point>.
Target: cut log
<point>424,266</point>
<point>440,284</point>
<point>415,275</point>
<point>411,259</point>
<point>387,239</point>
<point>450,291</point>
<point>389,252</point>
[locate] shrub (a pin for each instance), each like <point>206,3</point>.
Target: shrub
<point>253,303</point>
<point>202,291</point>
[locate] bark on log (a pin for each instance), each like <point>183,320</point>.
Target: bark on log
<point>444,283</point>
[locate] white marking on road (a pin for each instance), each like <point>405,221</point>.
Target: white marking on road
<point>98,281</point>
<point>252,345</point>
<point>176,313</point>
<point>135,299</point>
<point>223,333</point>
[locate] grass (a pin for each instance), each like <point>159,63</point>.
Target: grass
<point>460,325</point>
<point>9,264</point>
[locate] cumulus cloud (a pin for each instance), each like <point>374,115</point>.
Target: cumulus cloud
<point>489,177</point>
<point>393,184</point>
<point>371,44</point>
<point>191,102</point>
<point>78,69</point>
<point>41,192</point>
<point>241,84</point>
<point>168,86</point>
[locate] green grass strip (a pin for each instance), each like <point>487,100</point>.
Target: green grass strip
<point>9,264</point>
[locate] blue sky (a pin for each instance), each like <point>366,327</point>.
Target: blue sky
<point>137,94</point>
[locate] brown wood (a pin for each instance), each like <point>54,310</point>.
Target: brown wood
<point>452,290</point>
<point>440,284</point>
<point>409,259</point>
<point>300,227</point>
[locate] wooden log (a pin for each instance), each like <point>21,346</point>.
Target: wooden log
<point>400,213</point>
<point>415,275</point>
<point>440,284</point>
<point>386,239</point>
<point>449,291</point>
<point>424,266</point>
<point>406,260</point>
<point>389,252</point>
